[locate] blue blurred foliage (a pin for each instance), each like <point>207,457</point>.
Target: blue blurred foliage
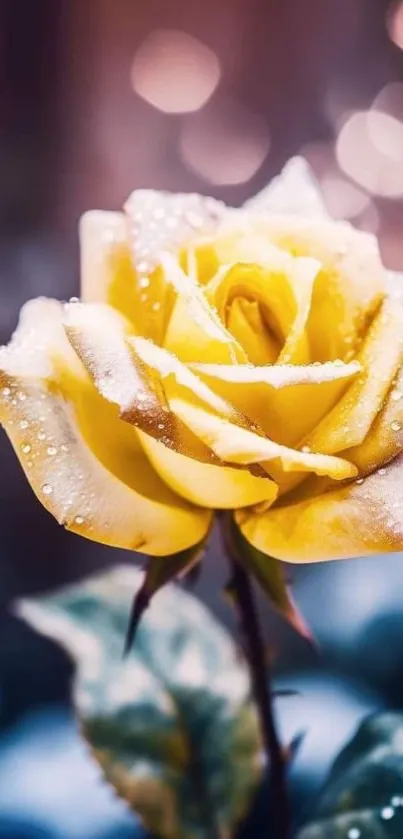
<point>49,785</point>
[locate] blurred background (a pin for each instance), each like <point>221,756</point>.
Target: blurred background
<point>97,98</point>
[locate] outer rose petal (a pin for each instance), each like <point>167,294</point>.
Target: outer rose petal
<point>293,192</point>
<point>359,519</point>
<point>100,337</point>
<point>108,275</point>
<point>380,358</point>
<point>385,438</point>
<point>83,463</point>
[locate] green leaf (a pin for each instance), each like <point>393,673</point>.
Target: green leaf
<point>269,573</point>
<point>363,797</point>
<point>172,726</point>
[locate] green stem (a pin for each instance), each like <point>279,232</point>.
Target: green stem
<point>260,675</point>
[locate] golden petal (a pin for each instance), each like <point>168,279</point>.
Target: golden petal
<point>85,465</point>
<point>362,518</point>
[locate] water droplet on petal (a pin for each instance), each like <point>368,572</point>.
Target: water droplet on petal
<point>51,450</point>
<point>21,396</point>
<point>23,424</point>
<point>41,435</point>
<point>6,391</point>
<point>144,282</point>
<point>74,300</point>
<point>360,481</point>
<point>395,425</point>
<point>26,448</point>
<point>79,520</point>
<point>306,449</point>
<point>381,472</point>
<point>47,489</point>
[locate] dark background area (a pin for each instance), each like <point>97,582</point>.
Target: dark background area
<point>78,130</point>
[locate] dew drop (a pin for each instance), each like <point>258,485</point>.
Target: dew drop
<point>64,448</point>
<point>26,448</point>
<point>47,489</point>
<point>74,300</point>
<point>360,481</point>
<point>156,306</point>
<point>306,449</point>
<point>21,396</point>
<point>144,282</point>
<point>79,520</point>
<point>41,435</point>
<point>6,391</point>
<point>395,425</point>
<point>161,426</point>
<point>23,424</point>
<point>51,450</point>
<point>381,472</point>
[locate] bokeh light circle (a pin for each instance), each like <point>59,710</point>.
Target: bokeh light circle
<point>174,71</point>
<point>369,149</point>
<point>394,21</point>
<point>225,145</point>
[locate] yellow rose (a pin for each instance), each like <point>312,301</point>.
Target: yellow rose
<point>220,359</point>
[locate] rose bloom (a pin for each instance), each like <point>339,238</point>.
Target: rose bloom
<point>244,359</point>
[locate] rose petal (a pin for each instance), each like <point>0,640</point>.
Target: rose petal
<point>380,358</point>
<point>294,191</point>
<point>355,520</point>
<point>164,221</point>
<point>282,286</point>
<point>285,400</point>
<point>84,464</point>
<point>385,437</point>
<point>194,330</point>
<point>350,285</point>
<point>215,487</point>
<point>246,324</point>
<point>108,275</point>
<point>234,444</point>
<point>99,336</point>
